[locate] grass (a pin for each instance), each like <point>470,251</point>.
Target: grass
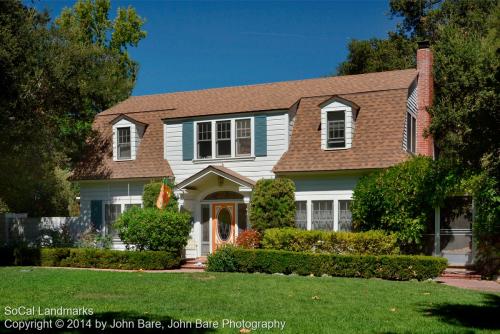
<point>307,304</point>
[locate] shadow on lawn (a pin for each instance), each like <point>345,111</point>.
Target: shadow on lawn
<point>485,316</point>
<point>109,318</point>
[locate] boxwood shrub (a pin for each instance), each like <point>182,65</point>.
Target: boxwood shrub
<point>368,243</point>
<point>392,267</point>
<point>89,258</point>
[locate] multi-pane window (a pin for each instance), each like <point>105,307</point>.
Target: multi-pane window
<point>243,137</point>
<point>322,215</point>
<point>204,140</point>
<point>223,139</point>
<point>345,215</point>
<point>411,133</point>
<point>301,214</point>
<point>111,214</point>
<point>336,129</point>
<point>123,143</point>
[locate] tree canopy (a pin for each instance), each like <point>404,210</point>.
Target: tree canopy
<point>55,76</point>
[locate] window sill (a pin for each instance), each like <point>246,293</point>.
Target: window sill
<point>119,160</point>
<point>336,148</point>
<point>228,159</point>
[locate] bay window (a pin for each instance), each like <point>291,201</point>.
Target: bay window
<point>322,215</point>
<point>301,214</point>
<point>345,215</point>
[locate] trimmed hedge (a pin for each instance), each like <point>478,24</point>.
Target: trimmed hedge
<point>366,243</point>
<point>392,267</point>
<point>89,258</point>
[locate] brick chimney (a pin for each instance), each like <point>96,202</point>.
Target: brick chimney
<point>425,92</point>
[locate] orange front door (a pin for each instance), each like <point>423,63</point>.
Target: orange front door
<point>223,224</point>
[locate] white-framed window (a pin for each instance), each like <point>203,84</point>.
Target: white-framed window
<point>345,215</point>
<point>224,139</point>
<point>322,215</point>
<point>243,137</point>
<point>301,214</point>
<point>336,129</point>
<point>411,133</point>
<point>204,138</point>
<point>124,149</point>
<point>111,214</point>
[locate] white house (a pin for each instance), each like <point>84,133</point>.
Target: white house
<point>216,143</point>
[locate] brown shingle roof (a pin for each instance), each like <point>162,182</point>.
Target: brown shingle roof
<point>279,95</point>
<point>377,141</point>
<point>381,97</point>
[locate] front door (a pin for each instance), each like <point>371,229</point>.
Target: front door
<point>223,224</point>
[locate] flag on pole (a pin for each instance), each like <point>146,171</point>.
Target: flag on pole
<point>164,196</point>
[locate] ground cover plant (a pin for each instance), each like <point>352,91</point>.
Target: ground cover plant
<point>307,304</point>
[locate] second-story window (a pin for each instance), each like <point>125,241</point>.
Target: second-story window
<point>243,137</point>
<point>411,133</point>
<point>336,129</point>
<point>223,139</point>
<point>123,143</point>
<point>204,140</point>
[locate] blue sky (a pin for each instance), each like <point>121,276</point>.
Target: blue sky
<point>196,45</point>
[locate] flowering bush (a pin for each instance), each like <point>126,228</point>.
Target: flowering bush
<point>249,239</point>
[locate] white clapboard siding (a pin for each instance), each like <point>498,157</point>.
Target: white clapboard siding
<point>257,168</point>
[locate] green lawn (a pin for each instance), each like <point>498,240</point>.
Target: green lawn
<point>307,304</point>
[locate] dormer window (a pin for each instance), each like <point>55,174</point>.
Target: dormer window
<point>127,135</point>
<point>336,129</point>
<point>338,117</point>
<point>124,147</point>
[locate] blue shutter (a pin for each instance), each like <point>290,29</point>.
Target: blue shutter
<point>96,214</point>
<point>261,136</point>
<point>187,140</point>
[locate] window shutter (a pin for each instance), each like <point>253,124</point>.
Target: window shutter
<point>187,141</point>
<point>96,214</point>
<point>261,136</point>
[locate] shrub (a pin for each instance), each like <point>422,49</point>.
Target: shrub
<point>273,204</point>
<point>88,258</point>
<point>153,229</point>
<point>368,243</point>
<point>249,239</point>
<point>222,260</point>
<point>113,259</point>
<point>151,192</point>
<point>393,267</point>
<point>400,199</point>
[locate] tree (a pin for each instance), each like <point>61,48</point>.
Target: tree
<point>53,81</point>
<point>272,204</point>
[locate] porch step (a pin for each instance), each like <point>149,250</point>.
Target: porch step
<point>197,263</point>
<point>460,273</point>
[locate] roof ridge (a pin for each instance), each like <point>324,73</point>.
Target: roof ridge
<point>269,83</point>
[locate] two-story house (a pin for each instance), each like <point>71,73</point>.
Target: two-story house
<point>324,134</point>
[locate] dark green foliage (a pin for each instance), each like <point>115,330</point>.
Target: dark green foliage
<point>88,258</point>
<point>366,243</point>
<point>112,259</point>
<point>154,229</point>
<point>392,267</point>
<point>52,84</point>
<point>272,204</point>
<point>401,199</point>
<point>151,192</point>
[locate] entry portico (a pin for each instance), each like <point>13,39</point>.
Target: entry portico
<point>218,199</point>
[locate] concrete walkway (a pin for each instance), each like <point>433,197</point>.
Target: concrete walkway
<point>479,285</point>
